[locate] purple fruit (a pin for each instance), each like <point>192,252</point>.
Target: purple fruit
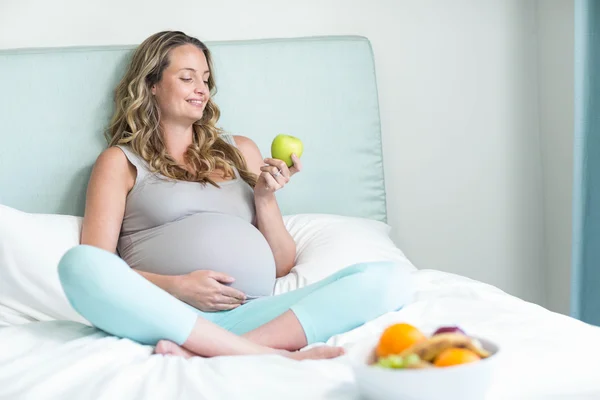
<point>449,329</point>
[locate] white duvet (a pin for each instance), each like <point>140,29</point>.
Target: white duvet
<point>543,355</point>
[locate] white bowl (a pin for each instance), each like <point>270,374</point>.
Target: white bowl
<point>465,382</point>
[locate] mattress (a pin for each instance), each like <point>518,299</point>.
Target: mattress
<point>543,355</point>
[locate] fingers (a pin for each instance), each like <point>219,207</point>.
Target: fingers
<point>226,293</point>
<point>270,183</point>
<point>223,302</point>
<point>276,174</point>
<point>279,165</point>
<point>285,171</point>
<point>221,277</point>
<point>297,166</point>
<point>233,293</point>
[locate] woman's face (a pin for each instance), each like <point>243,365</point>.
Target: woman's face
<point>182,92</point>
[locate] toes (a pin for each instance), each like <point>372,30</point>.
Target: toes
<point>163,347</point>
<point>326,352</point>
<point>316,353</point>
<point>340,351</point>
<point>333,352</point>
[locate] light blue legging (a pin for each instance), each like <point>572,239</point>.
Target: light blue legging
<point>109,294</point>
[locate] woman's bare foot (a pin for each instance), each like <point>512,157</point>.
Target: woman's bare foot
<point>316,353</point>
<point>166,347</point>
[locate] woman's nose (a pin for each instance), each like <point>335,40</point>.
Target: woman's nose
<point>202,88</point>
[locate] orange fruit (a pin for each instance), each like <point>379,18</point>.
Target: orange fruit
<point>398,337</point>
<point>455,356</point>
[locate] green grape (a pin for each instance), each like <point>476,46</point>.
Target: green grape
<point>392,362</point>
<point>397,361</point>
<point>412,359</point>
<point>384,363</point>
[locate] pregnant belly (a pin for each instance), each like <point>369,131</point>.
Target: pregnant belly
<point>207,241</point>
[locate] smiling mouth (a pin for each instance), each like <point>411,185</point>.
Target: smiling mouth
<point>195,102</point>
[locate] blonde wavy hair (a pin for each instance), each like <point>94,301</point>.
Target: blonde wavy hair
<point>136,120</point>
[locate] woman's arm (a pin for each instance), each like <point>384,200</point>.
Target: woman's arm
<point>268,215</point>
<point>111,180</point>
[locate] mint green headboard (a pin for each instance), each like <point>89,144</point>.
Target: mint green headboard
<point>55,104</point>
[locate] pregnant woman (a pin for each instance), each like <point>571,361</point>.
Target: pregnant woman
<point>200,238</point>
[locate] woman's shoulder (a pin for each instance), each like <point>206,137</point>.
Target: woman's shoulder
<point>230,138</point>
<point>114,161</point>
<point>234,139</point>
<point>242,142</point>
<point>112,157</point>
<point>250,151</point>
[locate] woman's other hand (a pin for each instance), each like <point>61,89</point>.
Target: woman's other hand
<point>206,291</point>
<point>274,175</point>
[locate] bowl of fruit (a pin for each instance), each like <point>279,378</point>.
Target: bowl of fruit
<point>406,363</point>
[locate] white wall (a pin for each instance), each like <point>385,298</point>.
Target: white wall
<point>556,82</point>
<point>458,96</point>
<point>461,135</point>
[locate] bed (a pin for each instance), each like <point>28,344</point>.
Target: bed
<point>322,89</point>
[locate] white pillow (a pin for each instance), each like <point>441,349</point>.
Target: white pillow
<point>326,243</point>
<point>31,246</point>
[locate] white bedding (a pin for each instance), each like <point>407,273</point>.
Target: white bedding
<point>543,355</point>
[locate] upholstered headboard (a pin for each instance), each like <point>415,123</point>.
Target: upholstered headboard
<point>55,104</point>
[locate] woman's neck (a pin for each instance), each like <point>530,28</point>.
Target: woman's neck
<point>177,138</point>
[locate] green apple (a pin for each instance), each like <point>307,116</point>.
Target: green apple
<point>284,146</point>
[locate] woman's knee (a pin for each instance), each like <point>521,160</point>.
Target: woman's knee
<point>388,285</point>
<point>83,265</point>
<point>73,263</point>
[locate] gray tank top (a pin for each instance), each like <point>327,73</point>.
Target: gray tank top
<point>175,227</point>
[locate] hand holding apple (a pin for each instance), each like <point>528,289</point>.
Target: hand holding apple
<point>284,146</point>
<point>277,171</point>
